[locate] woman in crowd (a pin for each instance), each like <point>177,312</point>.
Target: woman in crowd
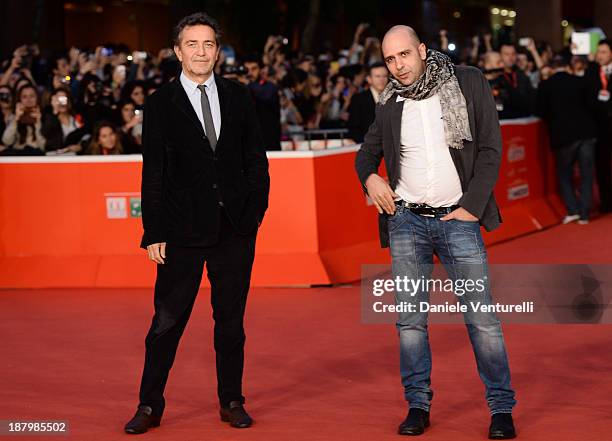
<point>23,133</point>
<point>134,91</point>
<point>105,140</point>
<point>130,120</point>
<point>60,124</point>
<point>6,108</point>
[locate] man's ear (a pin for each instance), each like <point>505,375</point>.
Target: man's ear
<point>177,51</point>
<point>423,51</point>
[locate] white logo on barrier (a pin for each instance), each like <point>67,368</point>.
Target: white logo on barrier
<point>116,207</point>
<point>516,153</point>
<point>518,192</point>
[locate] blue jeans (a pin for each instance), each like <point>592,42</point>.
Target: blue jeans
<point>414,239</point>
<point>584,152</point>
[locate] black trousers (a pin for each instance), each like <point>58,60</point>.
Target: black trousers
<point>228,264</point>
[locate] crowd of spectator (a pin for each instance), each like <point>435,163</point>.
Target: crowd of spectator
<point>55,104</point>
<point>91,101</point>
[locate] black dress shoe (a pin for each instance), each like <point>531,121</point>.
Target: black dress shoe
<point>236,415</point>
<point>415,423</point>
<point>142,421</point>
<point>502,426</point>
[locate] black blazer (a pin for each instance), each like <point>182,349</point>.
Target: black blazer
<point>567,107</point>
<point>185,184</point>
<point>361,115</point>
<point>603,109</point>
<point>477,163</point>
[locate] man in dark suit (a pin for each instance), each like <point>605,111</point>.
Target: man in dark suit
<point>436,128</point>
<point>563,101</point>
<point>205,187</point>
<point>267,103</point>
<point>599,76</point>
<point>516,93</point>
<point>361,109</point>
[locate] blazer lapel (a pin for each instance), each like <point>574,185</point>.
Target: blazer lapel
<point>180,99</point>
<point>396,123</point>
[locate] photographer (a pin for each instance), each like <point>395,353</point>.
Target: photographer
<point>334,102</point>
<point>61,73</point>
<point>19,67</point>
<point>60,124</point>
<point>6,109</point>
<point>23,133</point>
<point>130,120</point>
<point>94,100</point>
<point>237,73</point>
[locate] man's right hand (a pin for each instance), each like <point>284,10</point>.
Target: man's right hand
<point>157,252</point>
<point>381,194</point>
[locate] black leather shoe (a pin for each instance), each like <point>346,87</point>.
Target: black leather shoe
<point>415,423</point>
<point>236,415</point>
<point>502,426</point>
<point>142,421</point>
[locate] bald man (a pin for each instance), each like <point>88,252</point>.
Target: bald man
<point>436,127</point>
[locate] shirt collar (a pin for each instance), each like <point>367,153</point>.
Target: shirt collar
<point>399,98</point>
<point>192,86</point>
<point>375,95</point>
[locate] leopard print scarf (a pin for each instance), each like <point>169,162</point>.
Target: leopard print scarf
<point>438,78</point>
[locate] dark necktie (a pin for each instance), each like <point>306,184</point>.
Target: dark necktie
<point>209,126</point>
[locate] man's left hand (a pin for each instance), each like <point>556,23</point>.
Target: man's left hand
<point>460,214</point>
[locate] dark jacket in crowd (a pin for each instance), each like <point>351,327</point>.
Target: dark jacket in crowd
<point>564,103</point>
<point>603,110</point>
<point>477,163</point>
<point>516,94</point>
<point>267,105</point>
<point>54,134</point>
<point>361,115</point>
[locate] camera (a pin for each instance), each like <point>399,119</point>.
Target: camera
<point>27,117</point>
<point>5,97</point>
<point>229,70</point>
<point>139,55</point>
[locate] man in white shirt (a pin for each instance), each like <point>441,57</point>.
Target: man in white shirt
<point>436,128</point>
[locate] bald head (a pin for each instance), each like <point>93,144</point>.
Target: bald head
<point>404,54</point>
<point>492,60</point>
<point>403,31</point>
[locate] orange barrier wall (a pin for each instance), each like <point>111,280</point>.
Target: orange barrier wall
<point>74,221</point>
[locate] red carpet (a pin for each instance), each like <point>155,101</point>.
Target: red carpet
<point>313,372</point>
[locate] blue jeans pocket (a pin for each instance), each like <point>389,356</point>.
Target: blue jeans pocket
<point>396,219</point>
<point>468,226</point>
